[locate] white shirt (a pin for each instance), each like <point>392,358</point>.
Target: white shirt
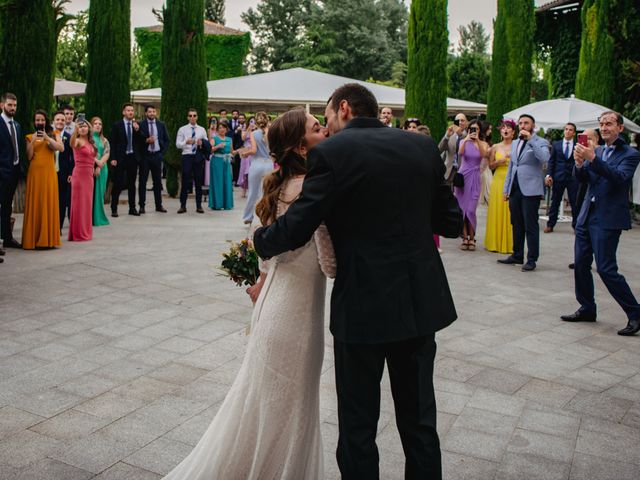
<point>153,130</point>
<point>567,144</point>
<point>69,128</point>
<point>186,132</point>
<point>7,119</point>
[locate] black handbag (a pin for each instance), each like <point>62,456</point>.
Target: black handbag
<point>446,216</point>
<point>458,180</point>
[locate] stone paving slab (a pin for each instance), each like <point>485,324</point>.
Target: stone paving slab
<point>115,355</point>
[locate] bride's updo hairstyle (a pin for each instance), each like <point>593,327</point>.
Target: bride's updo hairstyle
<point>286,133</point>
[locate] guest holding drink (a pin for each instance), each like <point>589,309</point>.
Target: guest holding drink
<point>104,151</point>
<point>499,234</point>
<point>472,151</point>
<point>41,226</point>
<point>220,175</point>
<point>84,152</point>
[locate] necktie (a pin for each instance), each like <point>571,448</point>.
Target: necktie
<point>129,138</point>
<point>520,148</point>
<point>567,151</point>
<point>152,132</point>
<point>193,136</point>
<point>14,143</point>
<point>607,153</point>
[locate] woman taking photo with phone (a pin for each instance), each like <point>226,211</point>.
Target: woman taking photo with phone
<point>41,226</point>
<point>471,153</point>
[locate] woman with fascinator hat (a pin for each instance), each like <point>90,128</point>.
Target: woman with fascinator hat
<point>499,234</point>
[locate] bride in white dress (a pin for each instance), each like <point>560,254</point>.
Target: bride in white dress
<point>268,426</point>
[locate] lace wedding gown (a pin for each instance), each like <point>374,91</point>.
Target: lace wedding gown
<point>268,426</point>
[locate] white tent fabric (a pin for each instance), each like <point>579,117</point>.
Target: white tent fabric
<point>297,86</point>
<point>67,88</point>
<point>556,113</point>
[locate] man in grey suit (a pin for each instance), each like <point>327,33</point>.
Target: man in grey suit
<point>523,188</point>
<point>450,144</point>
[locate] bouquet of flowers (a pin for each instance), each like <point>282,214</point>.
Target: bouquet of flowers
<point>240,263</point>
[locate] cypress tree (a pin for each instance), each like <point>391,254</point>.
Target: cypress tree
<point>596,70</point>
<point>510,82</point>
<point>109,59</point>
<point>184,74</point>
<point>28,56</point>
<point>428,41</point>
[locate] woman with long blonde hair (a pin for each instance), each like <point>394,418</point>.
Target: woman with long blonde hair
<point>84,154</point>
<point>261,164</point>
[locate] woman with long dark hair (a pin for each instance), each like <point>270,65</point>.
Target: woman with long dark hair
<point>104,151</point>
<point>84,154</point>
<point>269,424</point>
<point>41,225</point>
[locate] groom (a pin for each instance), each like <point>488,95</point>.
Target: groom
<point>390,294</point>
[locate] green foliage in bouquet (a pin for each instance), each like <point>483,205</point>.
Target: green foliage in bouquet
<point>240,263</point>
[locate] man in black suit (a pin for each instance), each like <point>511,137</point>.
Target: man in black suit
<point>154,143</point>
<point>237,143</point>
<point>10,135</point>
<point>390,294</point>
<point>560,176</point>
<point>64,166</point>
<point>125,136</point>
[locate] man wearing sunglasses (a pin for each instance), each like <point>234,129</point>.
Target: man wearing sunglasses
<point>192,140</point>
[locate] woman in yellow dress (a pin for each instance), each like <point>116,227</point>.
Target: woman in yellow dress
<point>41,226</point>
<point>499,235</point>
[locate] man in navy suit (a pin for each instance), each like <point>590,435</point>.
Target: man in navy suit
<point>523,188</point>
<point>64,166</point>
<point>604,214</point>
<point>560,176</point>
<point>10,135</point>
<point>154,143</point>
<point>124,158</point>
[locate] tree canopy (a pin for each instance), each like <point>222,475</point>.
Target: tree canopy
<point>214,11</point>
<point>473,38</point>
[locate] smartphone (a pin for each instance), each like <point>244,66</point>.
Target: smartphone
<point>39,128</point>
<point>583,139</point>
<point>456,122</point>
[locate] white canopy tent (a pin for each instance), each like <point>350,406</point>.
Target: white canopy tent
<point>282,90</point>
<point>67,88</point>
<point>557,113</point>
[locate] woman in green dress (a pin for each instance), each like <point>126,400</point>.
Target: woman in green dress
<point>220,177</point>
<point>102,172</point>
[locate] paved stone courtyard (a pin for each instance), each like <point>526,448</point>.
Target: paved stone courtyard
<point>115,355</point>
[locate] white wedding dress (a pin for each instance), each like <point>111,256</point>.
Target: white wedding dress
<point>268,426</point>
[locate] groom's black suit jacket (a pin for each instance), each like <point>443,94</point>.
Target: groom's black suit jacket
<point>379,192</point>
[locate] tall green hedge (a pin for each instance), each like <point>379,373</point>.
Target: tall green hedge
<point>596,71</point>
<point>109,59</point>
<point>513,40</point>
<point>184,74</point>
<point>224,54</point>
<point>428,41</point>
<point>27,57</point>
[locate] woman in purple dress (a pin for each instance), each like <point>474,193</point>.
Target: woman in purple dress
<point>471,154</point>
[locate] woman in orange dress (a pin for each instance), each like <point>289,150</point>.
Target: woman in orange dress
<point>41,226</point>
<point>84,154</point>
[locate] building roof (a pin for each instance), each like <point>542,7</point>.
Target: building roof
<point>558,5</point>
<point>277,91</point>
<point>210,28</point>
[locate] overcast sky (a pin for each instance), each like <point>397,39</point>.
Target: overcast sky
<point>461,12</point>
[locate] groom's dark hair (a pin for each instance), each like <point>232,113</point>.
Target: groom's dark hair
<point>362,102</point>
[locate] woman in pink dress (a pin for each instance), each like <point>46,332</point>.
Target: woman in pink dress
<point>84,152</point>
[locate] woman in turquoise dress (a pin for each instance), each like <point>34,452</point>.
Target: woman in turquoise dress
<point>220,175</point>
<point>102,144</point>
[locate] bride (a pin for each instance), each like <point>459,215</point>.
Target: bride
<point>268,426</point>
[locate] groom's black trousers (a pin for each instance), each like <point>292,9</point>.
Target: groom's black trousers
<point>359,369</point>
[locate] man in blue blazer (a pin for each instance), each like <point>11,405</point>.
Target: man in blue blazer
<point>560,176</point>
<point>523,188</point>
<point>154,143</point>
<point>10,135</point>
<point>604,214</point>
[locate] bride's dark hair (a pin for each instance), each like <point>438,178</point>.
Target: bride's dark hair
<point>286,133</point>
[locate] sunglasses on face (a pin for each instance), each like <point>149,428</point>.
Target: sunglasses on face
<point>191,115</point>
